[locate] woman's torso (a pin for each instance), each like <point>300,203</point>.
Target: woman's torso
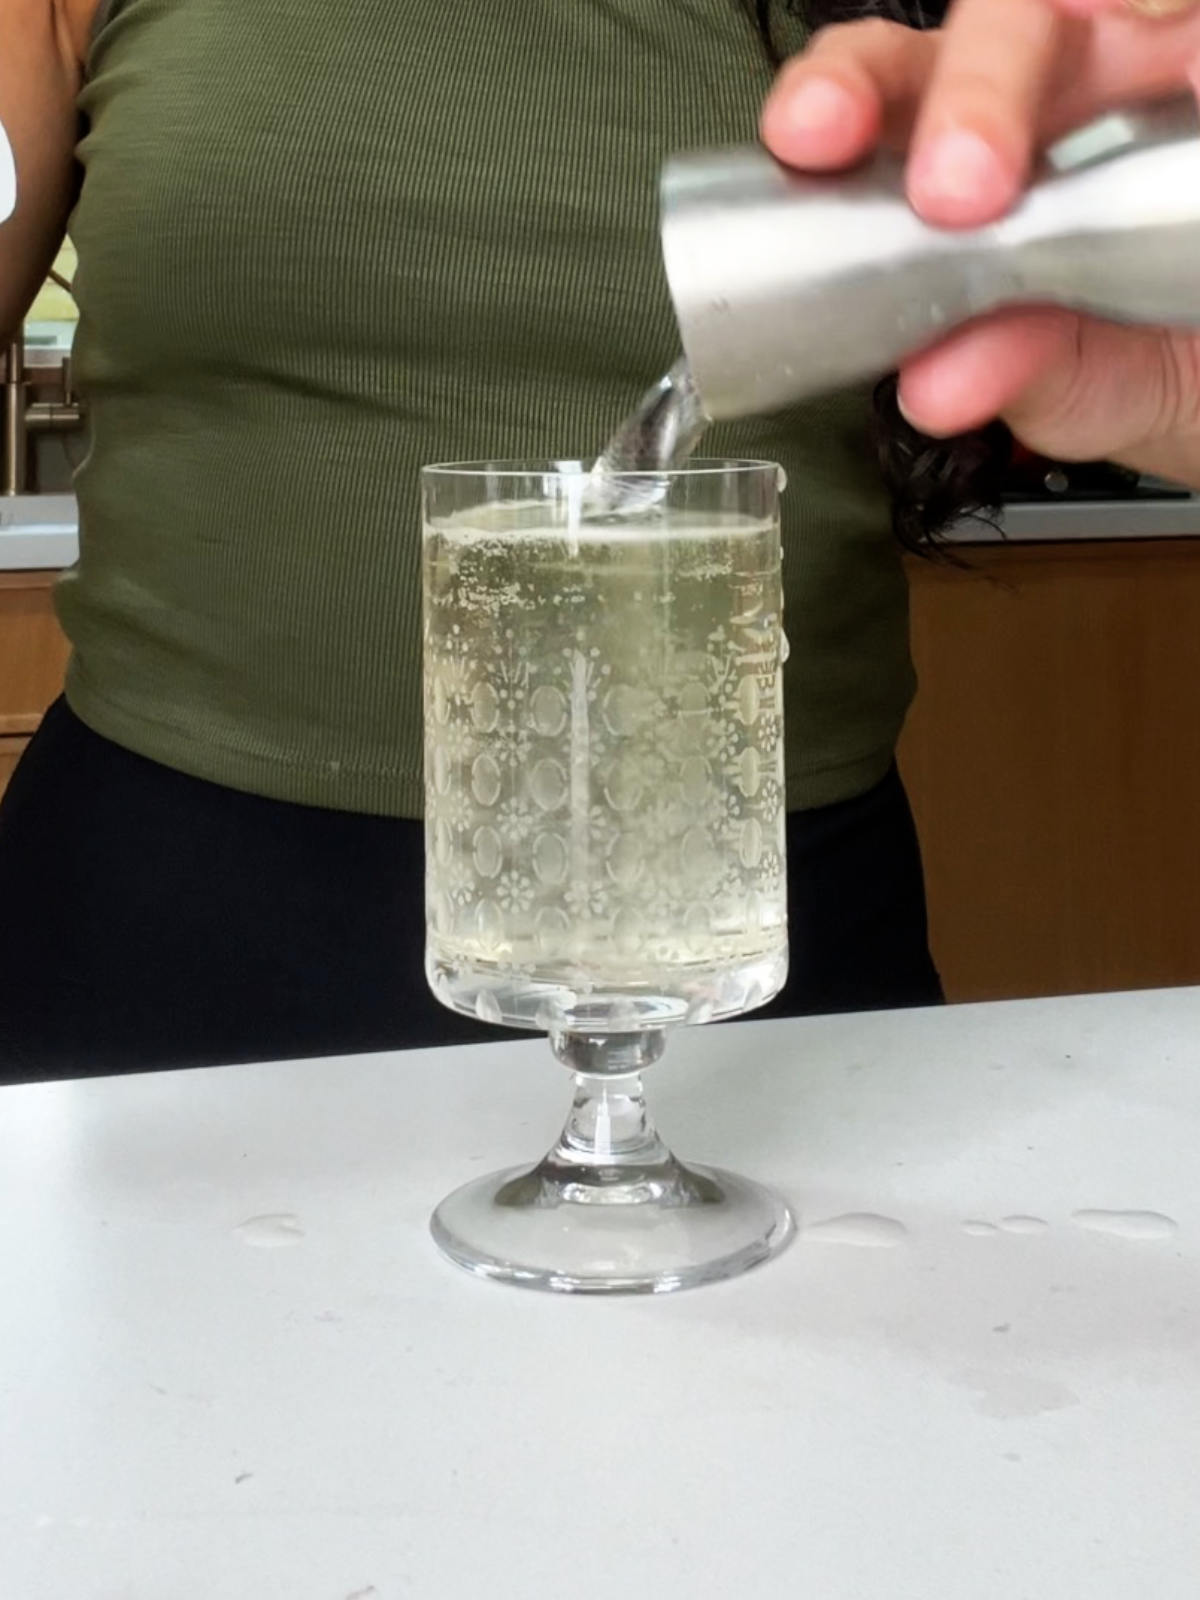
<point>320,245</point>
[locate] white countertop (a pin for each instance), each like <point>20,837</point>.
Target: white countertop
<point>42,531</point>
<point>38,532</point>
<point>984,1411</point>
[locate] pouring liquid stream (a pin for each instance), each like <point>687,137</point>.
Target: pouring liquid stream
<point>658,435</point>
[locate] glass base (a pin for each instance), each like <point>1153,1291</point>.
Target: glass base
<point>554,1001</point>
<point>645,1233</point>
<point>610,1210</point>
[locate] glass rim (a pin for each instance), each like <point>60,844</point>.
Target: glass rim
<point>698,467</point>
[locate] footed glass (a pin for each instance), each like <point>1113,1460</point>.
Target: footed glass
<point>605,835</point>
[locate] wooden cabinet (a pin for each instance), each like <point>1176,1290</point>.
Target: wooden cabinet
<point>1053,759</point>
<point>33,658</point>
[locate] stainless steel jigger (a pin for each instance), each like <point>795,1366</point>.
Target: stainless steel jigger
<point>786,286</point>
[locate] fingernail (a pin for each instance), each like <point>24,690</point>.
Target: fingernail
<point>959,166</point>
<point>817,106</point>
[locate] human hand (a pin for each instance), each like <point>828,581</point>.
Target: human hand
<point>971,104</point>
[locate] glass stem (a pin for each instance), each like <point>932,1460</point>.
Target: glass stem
<point>609,1152</point>
<point>609,1127</point>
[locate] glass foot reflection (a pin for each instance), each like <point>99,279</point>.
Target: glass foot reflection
<point>610,1209</point>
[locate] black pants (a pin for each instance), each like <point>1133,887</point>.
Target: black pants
<point>148,919</point>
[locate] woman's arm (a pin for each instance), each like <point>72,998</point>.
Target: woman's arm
<point>43,44</point>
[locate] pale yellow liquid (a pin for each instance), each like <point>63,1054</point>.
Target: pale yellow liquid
<point>604,774</point>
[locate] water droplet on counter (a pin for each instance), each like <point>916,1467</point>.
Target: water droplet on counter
<point>1127,1224</point>
<point>978,1229</point>
<point>1021,1224</point>
<point>860,1228</point>
<point>271,1231</point>
<point>1010,1396</point>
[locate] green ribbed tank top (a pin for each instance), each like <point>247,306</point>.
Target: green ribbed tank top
<point>321,244</point>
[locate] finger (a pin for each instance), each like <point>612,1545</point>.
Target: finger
<point>854,85</point>
<point>1120,61</point>
<point>1069,386</point>
<point>974,140</point>
<point>982,371</point>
